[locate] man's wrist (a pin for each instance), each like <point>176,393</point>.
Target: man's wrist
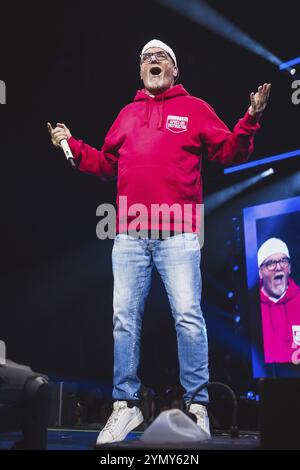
<point>255,114</point>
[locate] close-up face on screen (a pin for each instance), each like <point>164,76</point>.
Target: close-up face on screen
<point>274,304</point>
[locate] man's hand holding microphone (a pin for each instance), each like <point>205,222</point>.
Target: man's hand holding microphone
<point>59,137</point>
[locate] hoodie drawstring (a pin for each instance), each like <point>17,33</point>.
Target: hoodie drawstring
<point>161,113</point>
<point>287,330</point>
<point>161,108</point>
<point>147,112</point>
<point>172,92</point>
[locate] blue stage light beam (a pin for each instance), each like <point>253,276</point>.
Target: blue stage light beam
<point>203,14</point>
<point>217,199</point>
<point>262,161</point>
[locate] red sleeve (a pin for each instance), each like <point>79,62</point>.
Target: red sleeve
<point>101,163</point>
<point>225,146</point>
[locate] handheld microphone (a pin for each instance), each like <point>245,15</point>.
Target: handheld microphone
<point>65,146</point>
<point>67,151</point>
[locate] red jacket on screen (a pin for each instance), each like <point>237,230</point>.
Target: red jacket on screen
<point>278,318</point>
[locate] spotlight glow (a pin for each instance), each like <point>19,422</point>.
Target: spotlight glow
<point>201,13</point>
<point>268,172</point>
<point>217,199</point>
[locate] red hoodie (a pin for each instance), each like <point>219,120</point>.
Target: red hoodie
<point>155,147</point>
<point>277,321</point>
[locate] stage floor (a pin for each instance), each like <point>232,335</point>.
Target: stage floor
<point>84,439</point>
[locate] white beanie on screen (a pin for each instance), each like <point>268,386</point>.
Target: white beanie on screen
<point>270,247</point>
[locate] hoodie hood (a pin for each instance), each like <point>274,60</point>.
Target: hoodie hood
<point>158,100</point>
<point>172,92</point>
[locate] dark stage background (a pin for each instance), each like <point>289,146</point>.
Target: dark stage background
<point>78,63</point>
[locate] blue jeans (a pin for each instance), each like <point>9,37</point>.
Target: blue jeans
<point>177,260</point>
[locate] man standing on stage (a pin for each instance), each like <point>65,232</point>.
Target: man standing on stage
<point>155,148</point>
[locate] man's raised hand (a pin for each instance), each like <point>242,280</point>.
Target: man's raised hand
<point>259,99</point>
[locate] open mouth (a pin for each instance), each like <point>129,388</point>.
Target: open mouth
<point>278,279</point>
<point>156,70</point>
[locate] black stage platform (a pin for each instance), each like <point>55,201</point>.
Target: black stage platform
<point>219,441</point>
<point>84,439</point>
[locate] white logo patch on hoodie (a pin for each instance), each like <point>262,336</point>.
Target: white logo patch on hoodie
<point>177,123</point>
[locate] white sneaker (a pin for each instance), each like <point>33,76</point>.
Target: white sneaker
<point>202,417</point>
<point>122,420</point>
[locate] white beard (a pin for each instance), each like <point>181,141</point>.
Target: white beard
<point>155,81</point>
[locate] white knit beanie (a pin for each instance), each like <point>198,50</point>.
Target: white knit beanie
<point>162,45</point>
<point>270,247</point>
